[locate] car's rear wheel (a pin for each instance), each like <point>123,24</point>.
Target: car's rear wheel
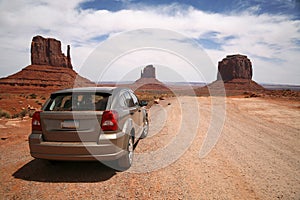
<point>125,161</point>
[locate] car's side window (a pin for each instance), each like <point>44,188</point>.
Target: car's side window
<point>123,101</point>
<point>128,100</point>
<point>135,99</point>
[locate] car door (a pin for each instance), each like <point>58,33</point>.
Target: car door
<point>139,114</point>
<point>134,111</point>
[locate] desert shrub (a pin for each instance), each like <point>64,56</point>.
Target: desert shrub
<point>4,114</point>
<point>23,113</point>
<point>33,96</point>
<point>16,115</point>
<point>38,103</point>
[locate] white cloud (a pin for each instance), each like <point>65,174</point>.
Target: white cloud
<point>122,53</point>
<point>264,38</point>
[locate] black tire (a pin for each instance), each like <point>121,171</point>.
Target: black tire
<point>145,129</point>
<point>125,161</point>
<point>54,162</point>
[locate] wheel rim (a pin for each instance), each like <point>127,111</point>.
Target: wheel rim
<point>130,150</point>
<point>146,127</point>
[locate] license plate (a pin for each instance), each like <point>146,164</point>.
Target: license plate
<point>71,124</point>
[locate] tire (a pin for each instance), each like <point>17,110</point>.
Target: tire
<point>53,162</point>
<point>145,129</point>
<point>125,161</point>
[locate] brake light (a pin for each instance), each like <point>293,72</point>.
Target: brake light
<point>109,120</point>
<point>36,121</point>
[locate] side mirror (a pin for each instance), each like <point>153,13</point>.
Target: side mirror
<point>143,103</point>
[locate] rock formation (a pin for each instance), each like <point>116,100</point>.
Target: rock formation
<point>47,51</point>
<point>50,70</point>
<point>148,76</point>
<point>148,81</point>
<point>148,72</point>
<point>234,67</point>
<point>235,75</point>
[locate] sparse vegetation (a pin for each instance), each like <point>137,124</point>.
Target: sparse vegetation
<point>4,114</point>
<point>22,114</point>
<point>38,102</point>
<point>33,96</point>
<point>151,96</point>
<point>16,115</point>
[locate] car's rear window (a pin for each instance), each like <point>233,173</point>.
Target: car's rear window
<point>78,102</point>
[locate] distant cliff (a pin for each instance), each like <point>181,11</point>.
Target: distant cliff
<point>148,76</point>
<point>50,70</point>
<point>148,72</point>
<point>235,75</point>
<point>47,51</point>
<point>148,81</point>
<point>235,67</point>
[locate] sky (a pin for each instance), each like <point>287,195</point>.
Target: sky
<point>185,39</point>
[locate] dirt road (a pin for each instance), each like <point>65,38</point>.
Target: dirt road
<point>257,156</point>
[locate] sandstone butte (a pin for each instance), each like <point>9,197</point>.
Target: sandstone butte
<point>235,74</point>
<point>50,70</point>
<point>234,67</point>
<point>148,81</point>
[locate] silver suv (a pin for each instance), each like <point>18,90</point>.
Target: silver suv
<point>94,123</point>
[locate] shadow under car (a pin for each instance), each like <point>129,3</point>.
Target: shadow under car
<point>61,171</point>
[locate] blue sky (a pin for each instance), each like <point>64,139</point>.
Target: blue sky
<point>268,32</point>
<point>215,6</point>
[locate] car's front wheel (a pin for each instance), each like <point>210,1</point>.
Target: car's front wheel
<point>145,129</point>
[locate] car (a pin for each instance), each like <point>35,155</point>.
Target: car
<point>89,123</point>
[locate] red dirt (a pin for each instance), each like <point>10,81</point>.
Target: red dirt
<point>256,157</point>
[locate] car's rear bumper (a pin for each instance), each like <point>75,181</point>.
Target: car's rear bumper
<point>105,149</point>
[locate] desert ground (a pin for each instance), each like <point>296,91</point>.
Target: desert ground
<point>256,156</point>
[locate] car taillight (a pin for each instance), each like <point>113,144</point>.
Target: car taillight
<point>36,121</point>
<point>109,120</point>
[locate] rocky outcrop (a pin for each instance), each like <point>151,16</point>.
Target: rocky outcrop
<point>148,81</point>
<point>50,70</point>
<point>148,76</point>
<point>47,51</point>
<point>148,72</point>
<point>35,78</point>
<point>234,67</point>
<point>234,77</point>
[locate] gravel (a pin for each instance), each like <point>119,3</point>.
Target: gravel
<point>257,156</point>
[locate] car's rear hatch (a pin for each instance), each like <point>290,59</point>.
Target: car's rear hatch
<point>71,126</point>
<point>73,117</point>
